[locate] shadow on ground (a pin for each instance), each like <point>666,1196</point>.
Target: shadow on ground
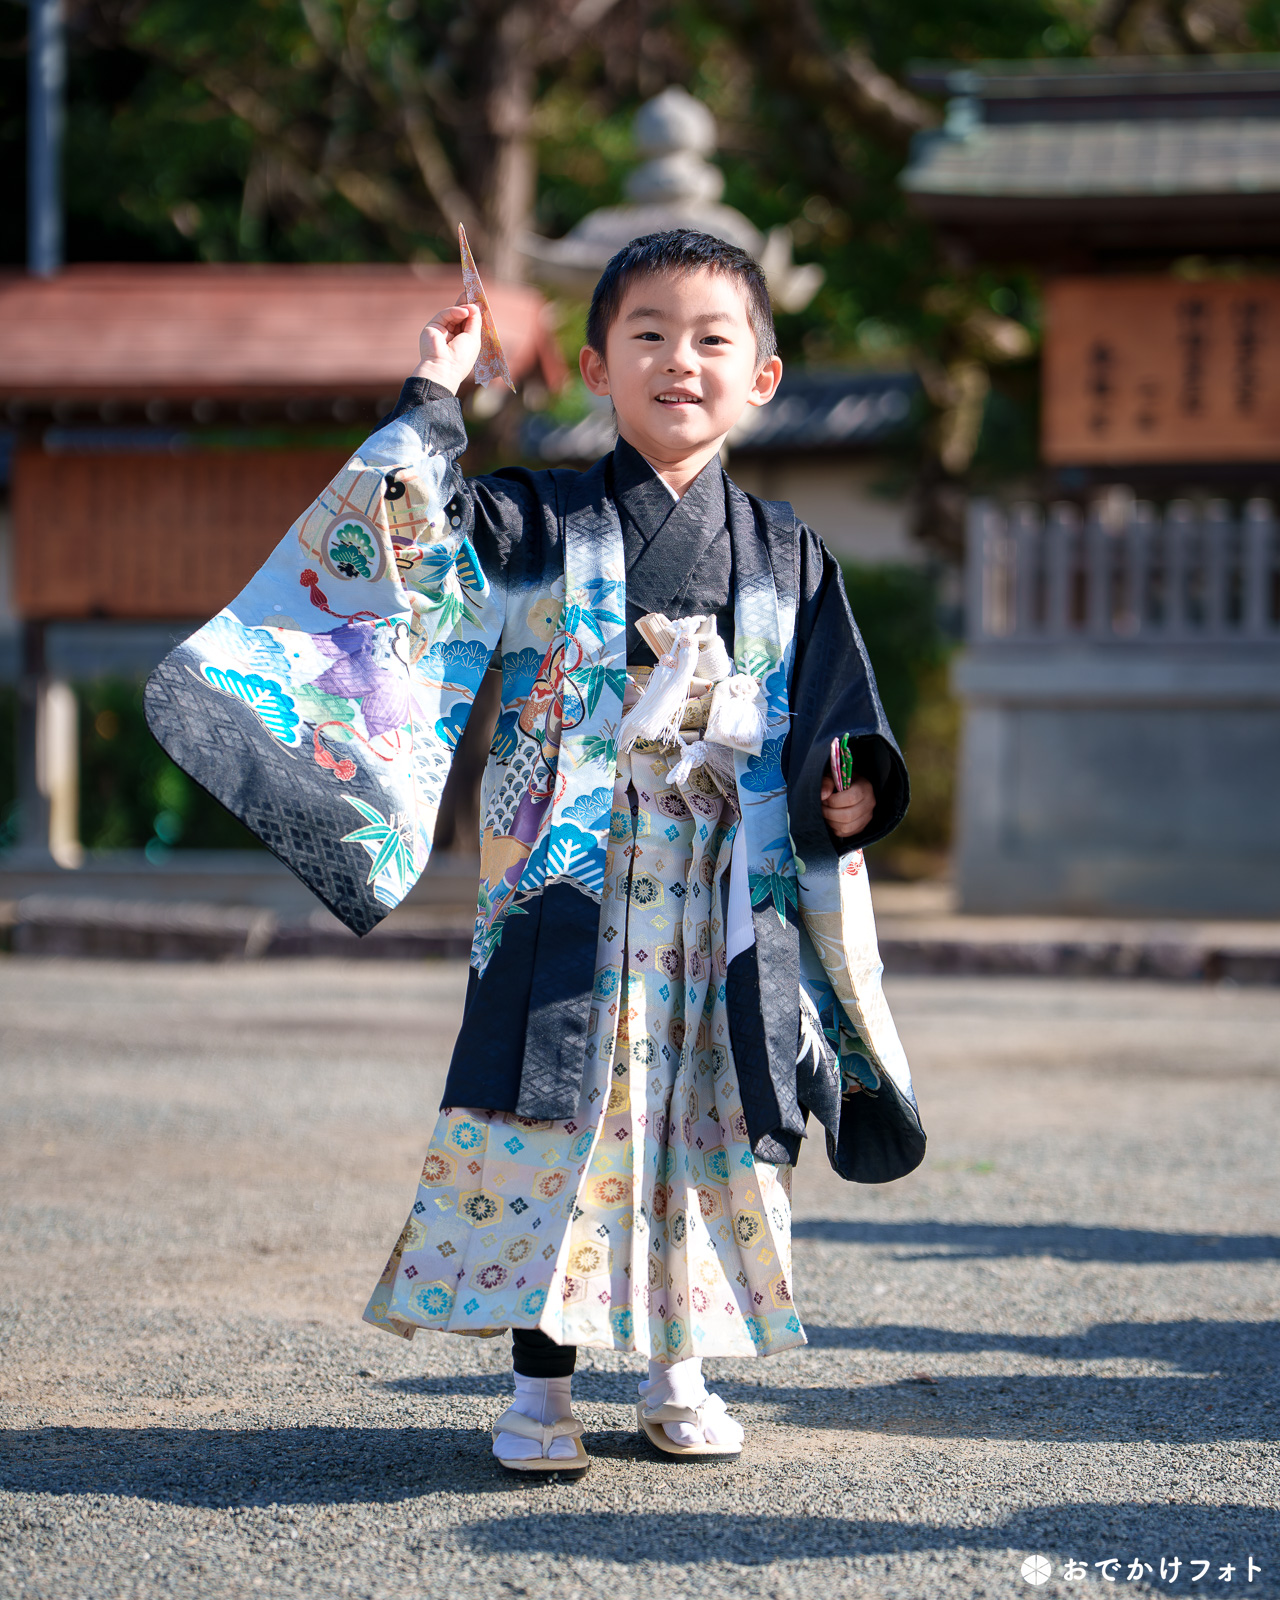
<point>1087,1532</point>
<point>959,1241</point>
<point>331,1466</point>
<point>336,1465</point>
<point>1242,1349</point>
<point>223,1467</point>
<point>1221,1384</point>
<point>1045,1410</point>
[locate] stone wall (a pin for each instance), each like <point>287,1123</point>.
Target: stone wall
<point>1121,693</point>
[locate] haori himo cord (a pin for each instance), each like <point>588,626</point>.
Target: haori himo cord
<point>675,961</point>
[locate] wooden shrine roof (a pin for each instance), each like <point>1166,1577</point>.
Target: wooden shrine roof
<point>1066,161</point>
<point>1074,88</point>
<point>185,332</point>
<point>1044,160</point>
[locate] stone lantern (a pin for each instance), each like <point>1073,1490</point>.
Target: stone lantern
<point>676,186</point>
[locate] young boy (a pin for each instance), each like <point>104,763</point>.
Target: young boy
<point>675,957</point>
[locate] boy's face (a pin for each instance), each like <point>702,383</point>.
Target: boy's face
<point>680,364</point>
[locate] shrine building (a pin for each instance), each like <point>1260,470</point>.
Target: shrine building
<point>1121,684</point>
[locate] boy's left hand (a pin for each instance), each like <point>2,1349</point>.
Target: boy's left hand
<point>847,811</point>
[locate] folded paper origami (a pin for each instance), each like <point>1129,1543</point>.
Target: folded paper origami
<point>492,364</point>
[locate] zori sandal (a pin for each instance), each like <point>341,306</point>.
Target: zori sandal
<point>651,1426</point>
<point>513,1421</point>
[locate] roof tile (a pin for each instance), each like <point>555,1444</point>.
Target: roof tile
<point>1058,160</point>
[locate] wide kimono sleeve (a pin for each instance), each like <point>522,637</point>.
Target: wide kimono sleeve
<point>855,1078</point>
<point>323,705</point>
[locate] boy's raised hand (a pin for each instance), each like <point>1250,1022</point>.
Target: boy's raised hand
<point>847,812</point>
<point>448,346</point>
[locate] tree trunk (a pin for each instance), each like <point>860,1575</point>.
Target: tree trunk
<point>497,157</point>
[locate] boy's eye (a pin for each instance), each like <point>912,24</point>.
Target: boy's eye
<point>714,338</point>
<point>656,337</point>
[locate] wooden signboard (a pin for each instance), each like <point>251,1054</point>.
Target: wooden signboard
<point>1154,369</point>
<point>152,536</point>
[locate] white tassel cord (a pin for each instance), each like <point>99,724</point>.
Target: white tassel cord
<point>737,716</point>
<point>720,764</point>
<point>695,755</point>
<point>658,713</point>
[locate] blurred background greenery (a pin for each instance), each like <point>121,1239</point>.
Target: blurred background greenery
<point>131,795</point>
<point>897,610</point>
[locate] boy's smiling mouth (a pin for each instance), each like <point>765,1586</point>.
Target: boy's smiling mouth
<point>678,397</point>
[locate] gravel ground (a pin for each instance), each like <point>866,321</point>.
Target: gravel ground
<point>1057,1338</point>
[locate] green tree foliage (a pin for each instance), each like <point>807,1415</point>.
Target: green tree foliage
<point>132,796</point>
<point>337,130</point>
<point>897,614</point>
<point>303,130</point>
<point>359,129</point>
<point>897,611</point>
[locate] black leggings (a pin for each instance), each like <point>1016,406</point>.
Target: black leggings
<point>534,1355</point>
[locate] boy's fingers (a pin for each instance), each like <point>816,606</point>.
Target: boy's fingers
<point>828,785</point>
<point>465,313</point>
<point>453,318</point>
<point>858,794</point>
<point>848,811</point>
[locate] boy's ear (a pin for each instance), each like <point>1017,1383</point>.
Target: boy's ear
<point>594,372</point>
<point>766,382</point>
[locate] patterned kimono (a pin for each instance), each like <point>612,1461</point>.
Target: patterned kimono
<point>629,1089</point>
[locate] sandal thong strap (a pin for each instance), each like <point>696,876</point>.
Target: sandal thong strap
<point>670,1413</point>
<point>513,1421</point>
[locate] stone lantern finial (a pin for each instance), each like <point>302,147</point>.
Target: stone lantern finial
<point>675,132</point>
<point>675,186</point>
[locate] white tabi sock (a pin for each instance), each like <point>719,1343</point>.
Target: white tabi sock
<point>681,1384</point>
<point>546,1400</point>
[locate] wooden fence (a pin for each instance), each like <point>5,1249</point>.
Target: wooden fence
<point>1126,572</point>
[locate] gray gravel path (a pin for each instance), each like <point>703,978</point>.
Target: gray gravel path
<point>1058,1337</point>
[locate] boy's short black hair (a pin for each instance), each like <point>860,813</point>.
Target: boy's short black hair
<point>681,250</point>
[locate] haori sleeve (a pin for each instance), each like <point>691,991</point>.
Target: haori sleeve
<point>855,1078</point>
<point>504,514</point>
<point>833,693</point>
<point>322,706</point>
